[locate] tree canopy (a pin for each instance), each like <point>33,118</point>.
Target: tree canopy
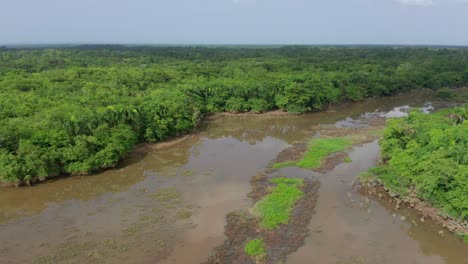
<point>80,109</point>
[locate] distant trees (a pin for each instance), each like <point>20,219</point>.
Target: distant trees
<point>77,110</point>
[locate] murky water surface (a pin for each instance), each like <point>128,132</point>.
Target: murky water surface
<point>169,205</point>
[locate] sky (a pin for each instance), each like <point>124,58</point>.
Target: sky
<point>407,22</point>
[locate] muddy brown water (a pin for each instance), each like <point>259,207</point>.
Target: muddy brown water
<point>170,205</point>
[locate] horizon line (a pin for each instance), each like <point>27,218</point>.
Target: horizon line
<point>75,44</point>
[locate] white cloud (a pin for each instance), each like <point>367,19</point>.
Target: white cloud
<point>244,2</point>
<point>419,2</point>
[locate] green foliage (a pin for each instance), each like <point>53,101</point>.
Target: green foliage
<point>319,149</point>
<point>275,208</point>
<point>255,248</point>
<point>427,154</point>
<point>80,109</point>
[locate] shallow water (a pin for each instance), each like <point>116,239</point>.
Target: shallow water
<point>348,227</point>
<point>169,205</point>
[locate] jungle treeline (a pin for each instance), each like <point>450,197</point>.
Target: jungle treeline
<point>75,110</point>
<point>427,155</point>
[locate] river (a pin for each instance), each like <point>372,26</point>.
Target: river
<point>169,205</point>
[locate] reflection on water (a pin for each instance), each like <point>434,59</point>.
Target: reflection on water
<point>169,205</point>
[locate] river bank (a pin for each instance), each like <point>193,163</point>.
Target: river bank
<point>377,190</point>
<point>142,148</point>
<point>170,206</point>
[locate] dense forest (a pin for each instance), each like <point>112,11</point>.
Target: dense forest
<point>427,155</point>
<point>75,110</point>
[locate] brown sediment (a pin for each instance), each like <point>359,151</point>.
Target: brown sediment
<point>247,114</point>
<point>171,142</point>
<point>359,135</point>
<point>242,226</point>
<point>293,153</point>
<point>260,187</point>
<point>427,211</point>
<point>332,161</point>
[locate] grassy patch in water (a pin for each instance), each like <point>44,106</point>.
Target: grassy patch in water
<point>167,195</point>
<point>347,160</point>
<point>275,208</point>
<point>183,214</point>
<point>318,150</point>
<point>255,248</point>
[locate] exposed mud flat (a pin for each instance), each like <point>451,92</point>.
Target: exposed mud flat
<point>293,153</point>
<point>252,114</point>
<point>243,226</point>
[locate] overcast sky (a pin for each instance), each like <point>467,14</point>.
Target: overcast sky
<point>234,21</point>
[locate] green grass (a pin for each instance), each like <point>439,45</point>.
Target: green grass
<point>255,248</point>
<point>347,160</point>
<point>275,208</point>
<point>318,150</point>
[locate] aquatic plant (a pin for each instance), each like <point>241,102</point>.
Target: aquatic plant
<point>318,150</point>
<point>275,208</point>
<point>255,248</point>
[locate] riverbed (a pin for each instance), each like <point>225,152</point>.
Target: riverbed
<point>169,205</point>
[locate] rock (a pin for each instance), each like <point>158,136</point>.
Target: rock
<point>441,233</point>
<point>403,218</point>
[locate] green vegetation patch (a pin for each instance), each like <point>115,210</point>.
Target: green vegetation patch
<point>255,248</point>
<point>78,110</point>
<point>275,208</point>
<point>426,153</point>
<point>318,150</point>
